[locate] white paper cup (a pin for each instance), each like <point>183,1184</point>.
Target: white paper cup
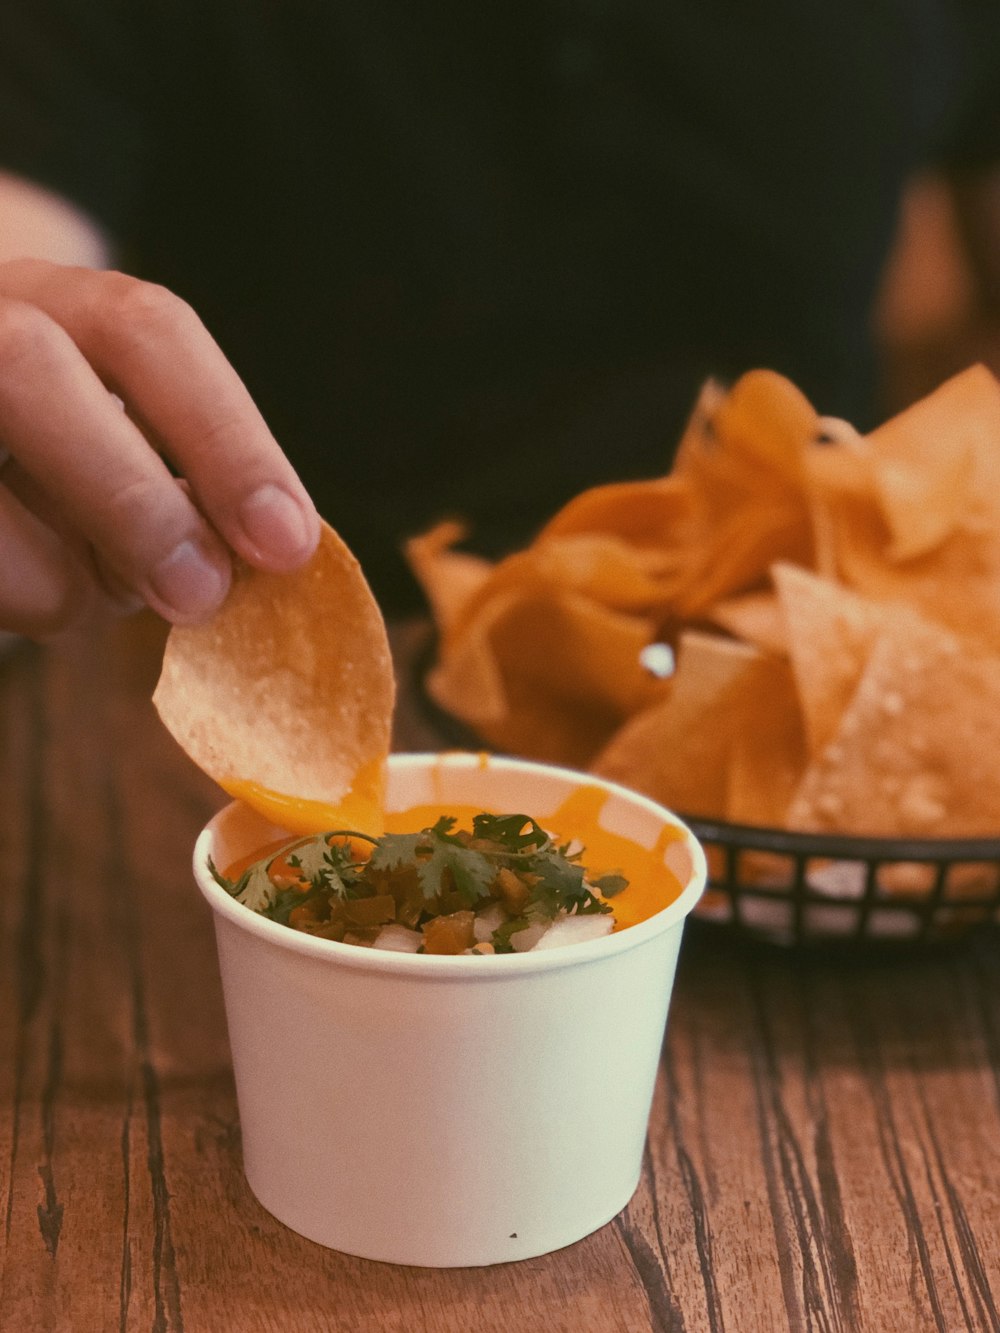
<point>447,1111</point>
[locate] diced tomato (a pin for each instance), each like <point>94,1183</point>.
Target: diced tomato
<point>450,934</point>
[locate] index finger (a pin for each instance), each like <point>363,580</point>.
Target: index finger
<point>151,348</point>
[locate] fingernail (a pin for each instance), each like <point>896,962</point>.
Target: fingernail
<point>188,583</point>
<point>277,525</point>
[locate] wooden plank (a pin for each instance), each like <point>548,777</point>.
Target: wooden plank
<point>824,1151</point>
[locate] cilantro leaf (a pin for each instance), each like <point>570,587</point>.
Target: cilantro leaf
<point>254,888</point>
<point>325,867</point>
<point>396,851</point>
<point>441,860</point>
<point>285,902</point>
<point>309,858</point>
<point>219,878</point>
<point>559,883</point>
<point>500,938</point>
<point>471,873</point>
<point>608,885</point>
<point>515,833</point>
<point>442,828</point>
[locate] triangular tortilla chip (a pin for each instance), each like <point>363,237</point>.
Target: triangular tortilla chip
<point>932,462</point>
<point>644,513</point>
<point>677,750</point>
<point>756,617</point>
<point>768,754</point>
<point>911,513</point>
<point>915,752</point>
<point>830,633</point>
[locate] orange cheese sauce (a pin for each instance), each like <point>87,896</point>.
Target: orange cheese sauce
<point>361,808</point>
<point>651,884</point>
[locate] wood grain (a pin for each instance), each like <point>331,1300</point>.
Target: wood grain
<point>823,1153</point>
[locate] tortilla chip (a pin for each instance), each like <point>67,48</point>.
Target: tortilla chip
<point>828,558</point>
<point>450,579</point>
<point>915,752</point>
<point>290,686</point>
<point>745,464</point>
<point>912,513</point>
<point>936,463</point>
<point>830,632</point>
<point>677,750</point>
<point>465,680</point>
<point>645,513</point>
<point>604,568</point>
<point>768,754</point>
<point>756,617</point>
<point>560,670</point>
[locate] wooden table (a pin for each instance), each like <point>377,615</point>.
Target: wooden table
<point>823,1155</point>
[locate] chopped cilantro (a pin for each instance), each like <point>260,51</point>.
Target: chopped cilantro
<point>395,851</point>
<point>470,873</point>
<point>506,866</point>
<point>514,833</point>
<point>324,866</point>
<point>501,936</point>
<point>609,885</point>
<point>288,899</point>
<point>254,888</point>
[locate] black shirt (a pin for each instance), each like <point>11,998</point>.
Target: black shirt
<point>473,258</point>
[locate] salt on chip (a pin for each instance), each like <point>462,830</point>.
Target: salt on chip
<point>915,754</point>
<point>290,686</point>
<point>830,633</point>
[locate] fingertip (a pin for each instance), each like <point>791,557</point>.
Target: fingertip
<point>189,584</point>
<point>279,528</point>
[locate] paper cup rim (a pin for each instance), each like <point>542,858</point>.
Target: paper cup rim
<point>437,966</point>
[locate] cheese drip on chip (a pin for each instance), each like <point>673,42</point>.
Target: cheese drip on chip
<point>286,696</point>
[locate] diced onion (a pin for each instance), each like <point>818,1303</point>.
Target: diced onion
<point>523,940</point>
<point>487,921</point>
<point>398,939</point>
<point>576,929</point>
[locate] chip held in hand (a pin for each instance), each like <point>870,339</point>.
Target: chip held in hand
<point>285,697</point>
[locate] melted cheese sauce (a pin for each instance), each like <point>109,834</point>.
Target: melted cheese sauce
<point>651,884</point>
<point>361,808</point>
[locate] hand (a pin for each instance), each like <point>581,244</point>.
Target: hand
<point>90,515</point>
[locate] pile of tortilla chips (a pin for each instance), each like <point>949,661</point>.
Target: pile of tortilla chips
<point>832,602</point>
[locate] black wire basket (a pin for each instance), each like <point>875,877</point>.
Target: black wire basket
<point>809,889</point>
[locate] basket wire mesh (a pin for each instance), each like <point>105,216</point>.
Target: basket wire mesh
<point>804,889</point>
<point>820,889</point>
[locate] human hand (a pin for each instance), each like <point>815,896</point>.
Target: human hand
<point>90,516</point>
